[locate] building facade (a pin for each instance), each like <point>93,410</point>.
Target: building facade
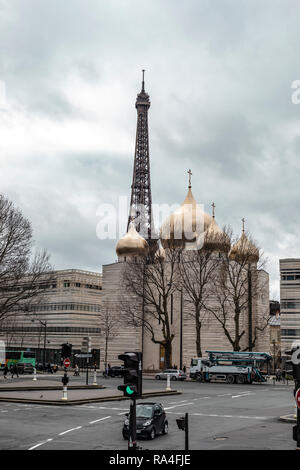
<point>289,302</point>
<point>67,311</point>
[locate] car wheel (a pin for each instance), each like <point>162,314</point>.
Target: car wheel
<point>173,378</point>
<point>165,428</point>
<point>157,377</point>
<point>152,434</point>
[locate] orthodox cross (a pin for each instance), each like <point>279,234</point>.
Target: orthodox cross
<point>213,206</point>
<point>243,221</point>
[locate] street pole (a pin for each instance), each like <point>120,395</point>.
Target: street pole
<point>181,314</point>
<point>87,371</point>
<point>65,381</point>
<point>132,426</point>
<point>250,307</point>
<point>45,336</point>
<point>186,431</point>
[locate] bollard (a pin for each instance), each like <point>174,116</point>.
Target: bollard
<point>65,393</point>
<point>168,388</point>
<point>34,374</point>
<point>95,378</point>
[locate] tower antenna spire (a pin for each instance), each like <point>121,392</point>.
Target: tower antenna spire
<point>143,81</point>
<point>190,178</point>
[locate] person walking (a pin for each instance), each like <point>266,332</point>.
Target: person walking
<point>14,371</point>
<point>5,371</point>
<point>76,372</point>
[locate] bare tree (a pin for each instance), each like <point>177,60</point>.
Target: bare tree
<point>152,286</point>
<point>197,271</point>
<point>109,322</point>
<point>23,275</point>
<point>235,287</point>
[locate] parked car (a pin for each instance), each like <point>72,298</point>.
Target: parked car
<point>116,371</point>
<point>25,368</point>
<point>175,374</point>
<point>151,420</point>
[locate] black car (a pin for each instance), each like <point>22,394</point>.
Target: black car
<point>151,420</point>
<point>116,371</point>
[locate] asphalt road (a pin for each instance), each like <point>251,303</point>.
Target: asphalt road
<point>221,416</point>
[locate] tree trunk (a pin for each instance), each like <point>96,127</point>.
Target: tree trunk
<point>168,354</point>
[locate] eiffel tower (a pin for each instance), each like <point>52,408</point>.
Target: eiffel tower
<point>141,199</point>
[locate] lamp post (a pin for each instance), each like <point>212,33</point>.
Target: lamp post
<point>44,324</point>
<point>181,315</point>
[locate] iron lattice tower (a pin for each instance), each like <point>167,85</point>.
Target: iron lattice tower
<point>141,199</point>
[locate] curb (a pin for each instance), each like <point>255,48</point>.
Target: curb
<point>84,400</point>
<point>51,387</point>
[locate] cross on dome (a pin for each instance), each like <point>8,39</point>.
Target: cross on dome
<point>213,209</point>
<point>243,222</point>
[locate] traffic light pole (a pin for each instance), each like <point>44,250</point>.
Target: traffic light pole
<point>87,371</point>
<point>186,431</point>
<point>132,425</point>
<point>296,429</point>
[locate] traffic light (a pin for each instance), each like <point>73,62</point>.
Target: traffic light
<point>132,387</point>
<point>66,350</point>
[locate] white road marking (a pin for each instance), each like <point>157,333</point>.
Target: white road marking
<point>69,430</point>
<point>40,444</point>
<point>101,419</point>
<point>243,395</point>
<point>175,406</point>
<point>111,408</point>
<point>223,416</point>
<point>181,401</point>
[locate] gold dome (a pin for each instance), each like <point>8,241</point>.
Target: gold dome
<point>182,225</point>
<point>132,244</point>
<point>215,239</point>
<point>244,251</point>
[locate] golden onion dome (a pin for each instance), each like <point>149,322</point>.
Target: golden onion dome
<point>244,251</point>
<point>215,239</point>
<point>132,244</point>
<point>182,226</point>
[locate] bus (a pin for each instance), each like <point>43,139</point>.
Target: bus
<point>13,357</point>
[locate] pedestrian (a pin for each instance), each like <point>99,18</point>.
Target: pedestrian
<point>76,372</point>
<point>278,375</point>
<point>5,370</point>
<point>283,376</point>
<point>14,371</point>
<point>184,369</point>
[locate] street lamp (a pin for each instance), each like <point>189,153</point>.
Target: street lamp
<point>44,324</point>
<point>274,346</point>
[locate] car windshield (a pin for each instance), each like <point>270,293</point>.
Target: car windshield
<point>144,411</point>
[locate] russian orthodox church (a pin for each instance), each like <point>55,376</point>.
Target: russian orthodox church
<point>141,242</point>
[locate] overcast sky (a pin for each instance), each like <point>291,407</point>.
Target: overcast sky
<point>219,74</point>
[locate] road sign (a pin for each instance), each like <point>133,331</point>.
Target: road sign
<point>83,355</point>
<point>297,398</point>
<point>67,363</point>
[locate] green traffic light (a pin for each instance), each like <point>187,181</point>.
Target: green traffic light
<point>129,391</point>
